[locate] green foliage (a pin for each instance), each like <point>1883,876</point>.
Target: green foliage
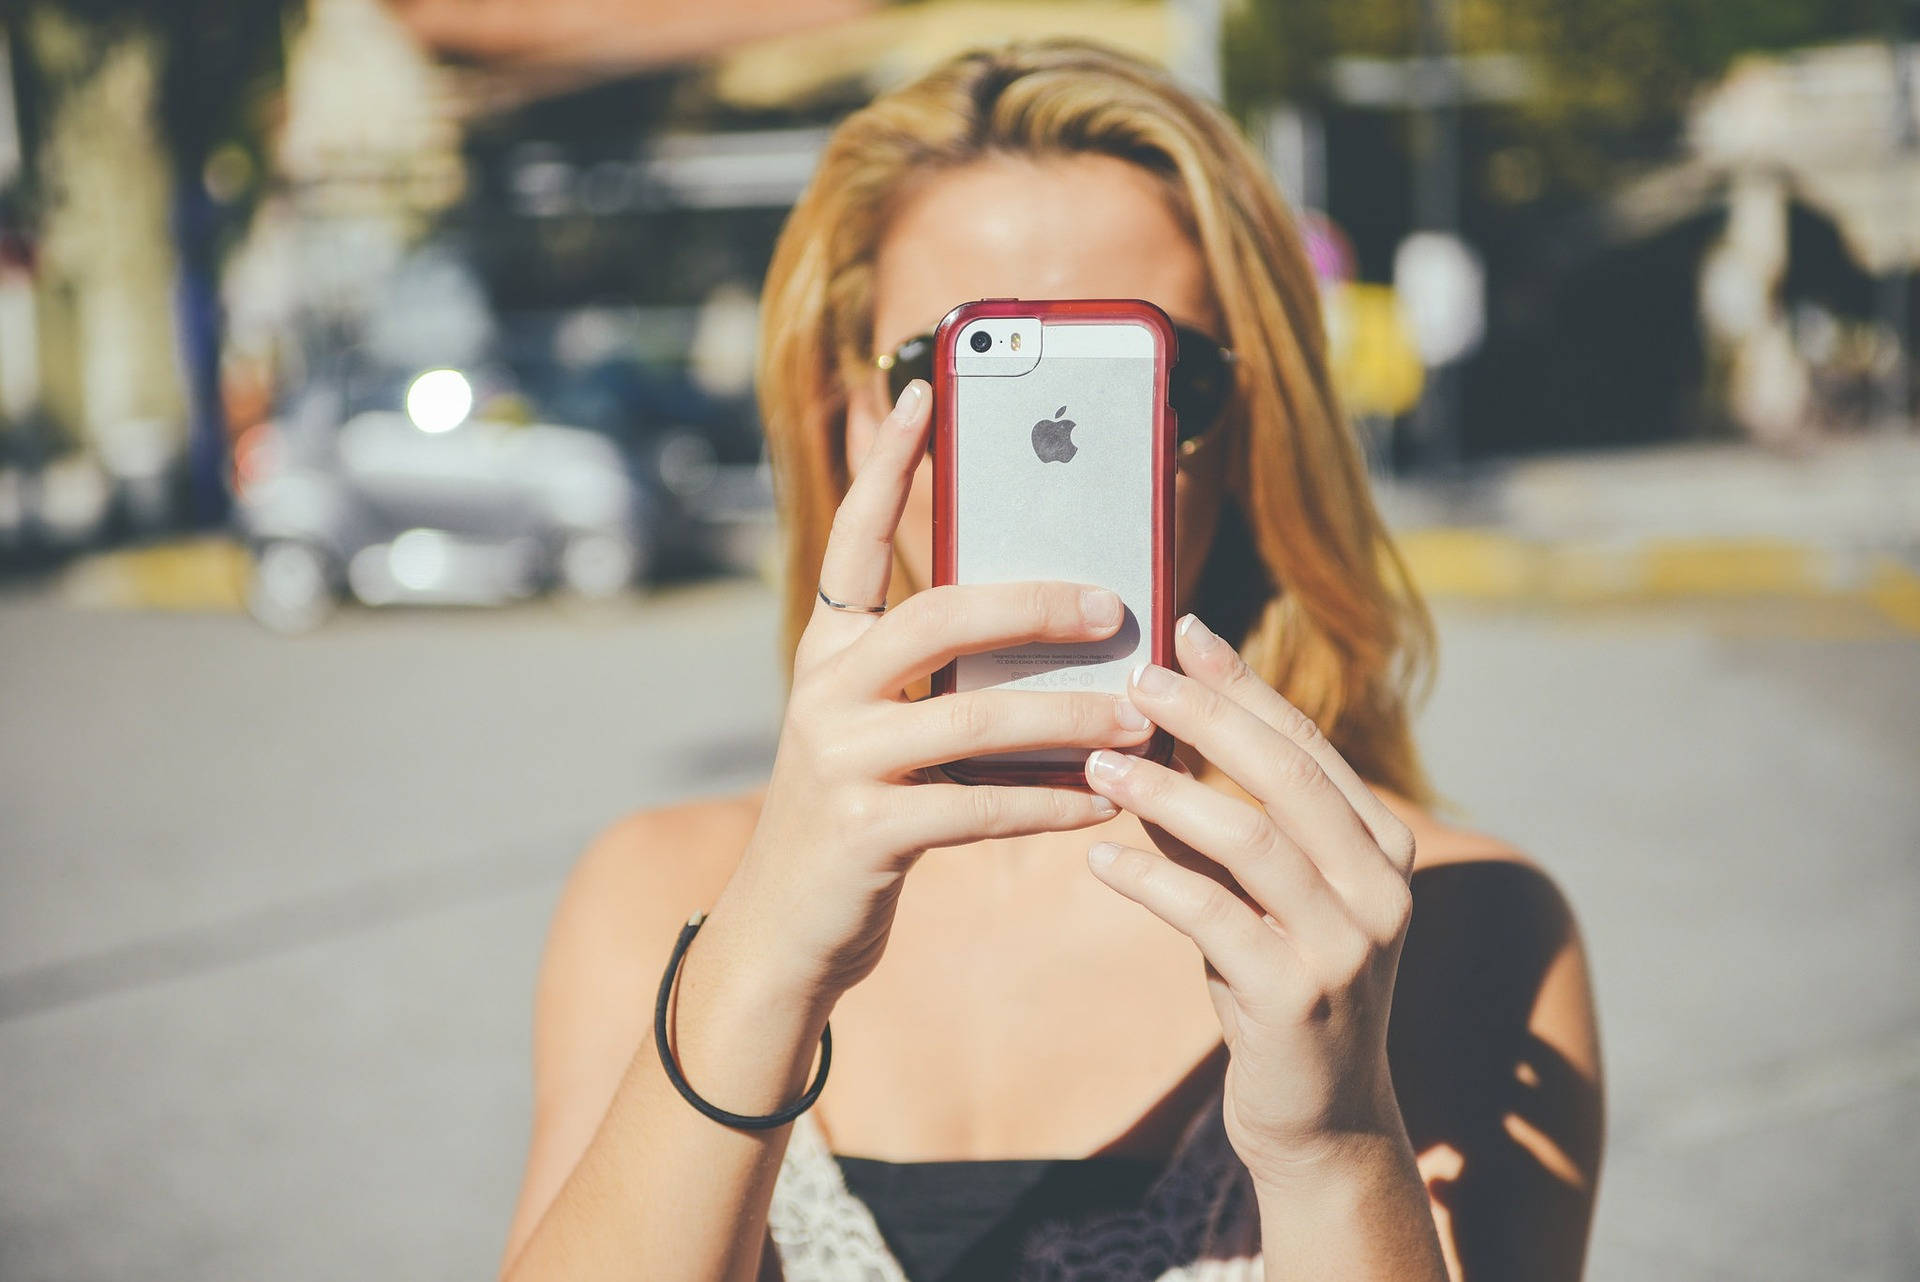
<point>1612,76</point>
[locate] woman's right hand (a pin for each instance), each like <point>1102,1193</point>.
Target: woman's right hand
<point>848,808</point>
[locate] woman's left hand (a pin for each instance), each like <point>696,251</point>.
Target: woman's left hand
<point>1298,901</point>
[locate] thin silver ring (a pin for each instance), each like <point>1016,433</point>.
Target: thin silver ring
<point>848,605</point>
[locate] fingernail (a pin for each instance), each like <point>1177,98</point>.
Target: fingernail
<point>1104,808</point>
<point>1099,607</point>
<point>1151,678</point>
<point>1197,632</point>
<point>1101,853</point>
<point>909,403</point>
<point>1108,767</point>
<point>1129,717</point>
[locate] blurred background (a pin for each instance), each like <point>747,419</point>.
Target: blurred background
<point>383,504</point>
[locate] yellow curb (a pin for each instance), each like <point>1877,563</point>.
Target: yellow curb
<point>1481,564</point>
<point>1730,567</point>
<point>1470,563</point>
<point>1583,572</point>
<point>207,573</point>
<point>1895,589</point>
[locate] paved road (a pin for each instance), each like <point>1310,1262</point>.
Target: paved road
<point>269,911</point>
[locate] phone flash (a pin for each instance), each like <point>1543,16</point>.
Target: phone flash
<point>1016,340</point>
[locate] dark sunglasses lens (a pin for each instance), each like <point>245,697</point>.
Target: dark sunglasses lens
<point>1199,384</point>
<point>912,359</point>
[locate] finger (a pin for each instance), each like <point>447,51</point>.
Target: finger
<point>957,814</point>
<point>1250,956</point>
<point>935,731</point>
<point>857,564</point>
<point>1208,659</point>
<point>937,624</point>
<point>1241,838</point>
<point>1271,767</point>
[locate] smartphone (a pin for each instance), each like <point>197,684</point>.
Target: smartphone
<point>1053,458</point>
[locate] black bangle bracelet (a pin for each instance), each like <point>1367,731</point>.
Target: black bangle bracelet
<point>667,1059</point>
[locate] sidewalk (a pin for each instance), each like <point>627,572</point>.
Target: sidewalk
<point>1651,525</point>
<point>1672,522</point>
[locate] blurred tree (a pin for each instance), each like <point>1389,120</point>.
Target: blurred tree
<point>219,68</point>
<point>1611,77</point>
<point>223,68</point>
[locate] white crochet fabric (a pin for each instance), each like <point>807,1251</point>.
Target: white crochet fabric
<point>1198,1221</point>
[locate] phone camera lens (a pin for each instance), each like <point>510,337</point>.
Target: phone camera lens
<point>981,340</point>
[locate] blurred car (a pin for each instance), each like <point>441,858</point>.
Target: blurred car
<point>700,459</point>
<point>58,499</point>
<point>429,486</point>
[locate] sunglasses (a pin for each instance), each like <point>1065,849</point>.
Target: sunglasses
<point>1198,386</point>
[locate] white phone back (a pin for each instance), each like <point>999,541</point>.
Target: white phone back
<point>1086,518</point>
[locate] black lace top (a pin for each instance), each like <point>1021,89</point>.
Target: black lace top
<point>1191,1217</point>
<point>952,1221</point>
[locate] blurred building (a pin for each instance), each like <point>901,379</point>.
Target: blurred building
<point>609,180</point>
<point>425,182</point>
<point>92,404</point>
<point>1811,162</point>
<point>575,215</point>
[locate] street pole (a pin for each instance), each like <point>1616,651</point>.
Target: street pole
<point>1436,208</point>
<point>1896,287</point>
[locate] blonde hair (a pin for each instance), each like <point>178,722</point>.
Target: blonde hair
<point>1302,577</point>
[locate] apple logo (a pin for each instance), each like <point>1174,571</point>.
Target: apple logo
<point>1053,438</point>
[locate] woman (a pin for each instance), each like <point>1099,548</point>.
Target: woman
<point>1030,1079</point>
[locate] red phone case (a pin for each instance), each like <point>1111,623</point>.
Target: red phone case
<point>1159,746</point>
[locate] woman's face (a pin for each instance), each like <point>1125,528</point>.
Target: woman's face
<point>1080,226</point>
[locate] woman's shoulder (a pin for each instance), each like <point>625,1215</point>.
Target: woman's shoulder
<point>1494,1016</point>
<point>614,927</point>
<point>1465,879</point>
<point>1482,905</point>
<point>1437,841</point>
<point>1493,943</point>
<point>667,860</point>
<point>607,944</point>
<point>632,888</point>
